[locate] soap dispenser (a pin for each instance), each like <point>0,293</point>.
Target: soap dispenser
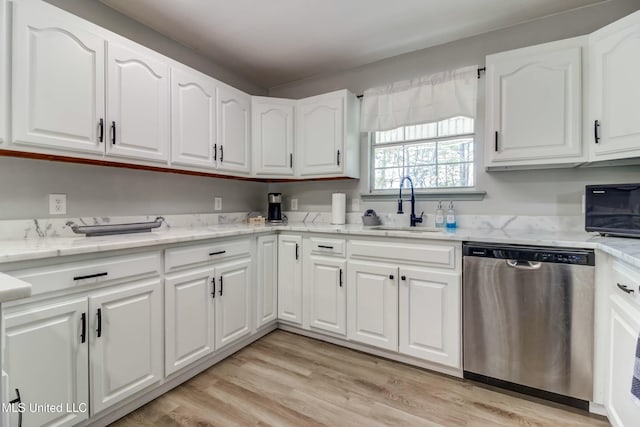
<point>451,217</point>
<point>439,215</point>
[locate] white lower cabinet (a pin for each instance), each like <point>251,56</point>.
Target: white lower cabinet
<point>267,280</point>
<point>126,342</point>
<point>372,304</point>
<point>327,295</point>
<point>290,278</point>
<point>189,303</point>
<point>429,322</point>
<point>232,302</point>
<point>47,360</point>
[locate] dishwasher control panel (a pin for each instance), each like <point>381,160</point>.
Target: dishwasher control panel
<point>530,253</point>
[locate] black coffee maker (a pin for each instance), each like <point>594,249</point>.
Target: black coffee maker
<point>274,214</point>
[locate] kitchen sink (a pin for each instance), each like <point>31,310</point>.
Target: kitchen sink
<point>412,229</point>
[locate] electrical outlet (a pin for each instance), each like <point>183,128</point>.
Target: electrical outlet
<point>355,205</point>
<point>217,205</point>
<point>57,204</point>
<point>294,204</point>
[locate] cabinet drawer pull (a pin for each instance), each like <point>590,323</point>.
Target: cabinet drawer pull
<point>83,335</point>
<point>217,253</point>
<point>90,276</point>
<point>391,276</point>
<point>213,287</point>
<point>101,130</point>
<point>403,277</point>
<point>624,288</point>
<point>99,329</point>
<point>113,133</point>
<point>325,247</point>
<point>596,126</point>
<point>221,286</point>
<point>18,400</point>
<point>340,277</point>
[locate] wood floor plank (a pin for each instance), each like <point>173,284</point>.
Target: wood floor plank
<point>289,380</point>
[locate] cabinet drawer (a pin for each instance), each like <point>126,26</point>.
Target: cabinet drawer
<point>319,246</point>
<point>441,255</point>
<point>68,275</point>
<point>626,277</point>
<point>177,258</point>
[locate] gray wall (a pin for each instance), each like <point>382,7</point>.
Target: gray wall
<point>104,16</point>
<point>547,192</point>
<point>107,191</point>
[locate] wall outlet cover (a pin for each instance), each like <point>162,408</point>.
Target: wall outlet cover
<point>217,203</point>
<point>294,204</point>
<point>355,205</point>
<point>57,204</point>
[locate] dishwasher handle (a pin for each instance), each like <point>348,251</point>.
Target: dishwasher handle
<point>524,265</point>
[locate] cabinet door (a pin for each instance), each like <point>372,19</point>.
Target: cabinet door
<point>47,360</point>
<point>320,134</point>
<point>534,104</point>
<point>189,317</point>
<point>4,72</point>
<point>193,118</point>
<point>58,79</point>
<point>615,89</point>
<point>234,130</point>
<point>327,296</point>
<point>137,104</point>
<point>372,304</point>
<point>267,278</point>
<point>290,278</point>
<point>233,320</point>
<point>126,348</point>
<point>429,309</point>
<point>272,135</point>
<point>624,330</point>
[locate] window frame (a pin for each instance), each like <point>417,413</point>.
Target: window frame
<point>430,190</point>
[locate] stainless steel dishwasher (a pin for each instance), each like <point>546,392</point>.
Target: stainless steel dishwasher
<point>528,320</point>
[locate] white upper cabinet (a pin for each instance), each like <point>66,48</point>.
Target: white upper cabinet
<point>138,104</point>
<point>327,135</point>
<point>4,73</point>
<point>272,135</point>
<point>58,80</point>
<point>193,119</point>
<point>614,90</point>
<point>234,130</point>
<point>534,106</point>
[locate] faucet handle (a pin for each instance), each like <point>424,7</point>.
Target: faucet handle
<point>419,218</point>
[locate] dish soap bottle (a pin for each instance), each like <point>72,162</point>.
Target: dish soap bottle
<point>451,217</point>
<point>439,215</point>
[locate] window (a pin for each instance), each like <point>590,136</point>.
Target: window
<point>434,155</point>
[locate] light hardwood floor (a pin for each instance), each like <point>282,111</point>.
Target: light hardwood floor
<point>289,380</point>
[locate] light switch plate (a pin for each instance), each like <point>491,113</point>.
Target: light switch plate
<point>217,203</point>
<point>57,204</point>
<point>294,204</point>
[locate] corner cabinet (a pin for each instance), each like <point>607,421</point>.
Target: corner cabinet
<point>234,130</point>
<point>534,106</point>
<point>327,135</point>
<point>614,90</point>
<point>267,280</point>
<point>290,278</point>
<point>272,121</point>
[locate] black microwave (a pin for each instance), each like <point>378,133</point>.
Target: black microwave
<point>613,209</point>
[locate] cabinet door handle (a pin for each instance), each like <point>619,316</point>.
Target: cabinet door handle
<point>99,329</point>
<point>221,153</point>
<point>101,130</point>
<point>83,335</point>
<point>90,276</point>
<point>221,286</point>
<point>325,247</point>
<point>403,277</point>
<point>338,158</point>
<point>215,152</point>
<point>217,253</point>
<point>624,288</point>
<point>391,276</point>
<point>213,287</point>
<point>296,251</point>
<point>340,277</point>
<point>291,160</point>
<point>18,400</point>
<point>496,142</point>
<point>113,133</point>
<point>596,135</point>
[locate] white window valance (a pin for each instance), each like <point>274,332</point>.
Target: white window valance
<point>425,99</point>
